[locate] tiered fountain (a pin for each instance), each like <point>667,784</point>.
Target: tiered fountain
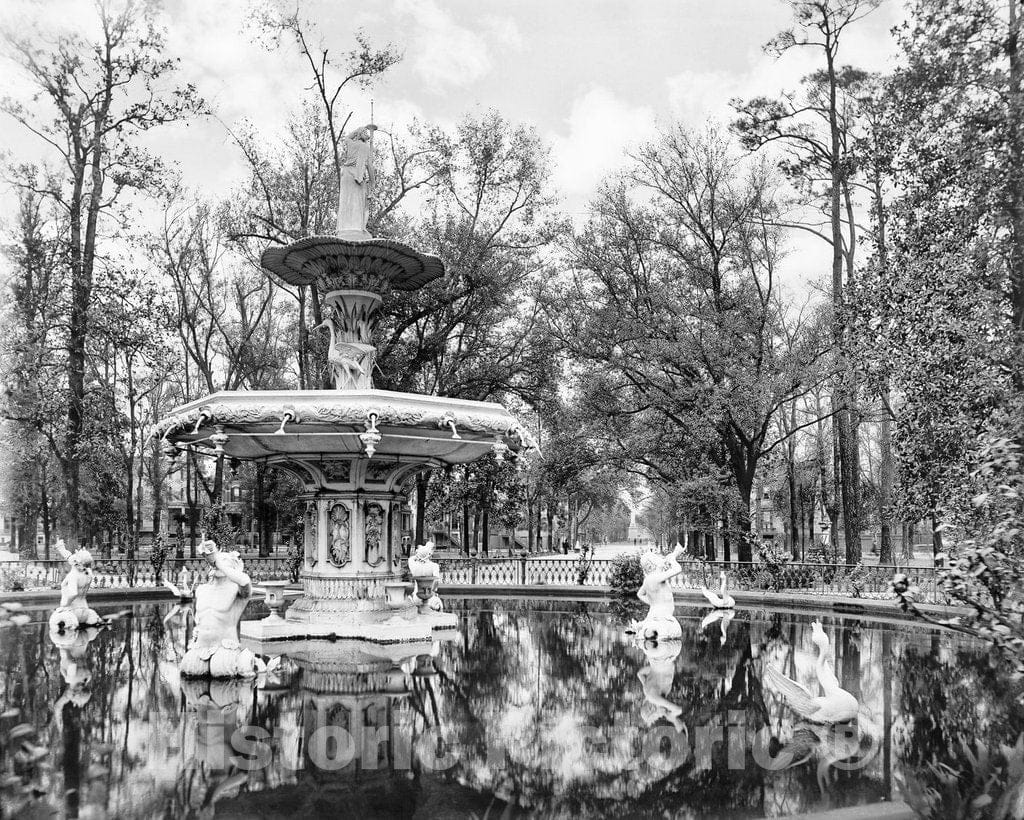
<point>352,447</point>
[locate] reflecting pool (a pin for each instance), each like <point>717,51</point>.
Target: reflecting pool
<point>533,708</point>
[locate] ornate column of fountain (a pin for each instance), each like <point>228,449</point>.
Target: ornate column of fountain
<point>351,447</point>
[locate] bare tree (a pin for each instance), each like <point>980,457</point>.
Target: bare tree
<point>92,98</point>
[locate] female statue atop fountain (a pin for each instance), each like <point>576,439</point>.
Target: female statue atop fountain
<point>355,179</point>
<point>215,651</point>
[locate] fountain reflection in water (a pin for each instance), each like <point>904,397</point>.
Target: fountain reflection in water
<point>537,706</point>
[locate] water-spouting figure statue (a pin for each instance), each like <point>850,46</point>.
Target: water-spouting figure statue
<point>660,623</point>
<point>74,611</point>
<point>835,705</point>
<point>215,651</point>
<point>721,600</point>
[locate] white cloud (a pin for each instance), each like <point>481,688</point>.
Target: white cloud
<point>443,53</point>
<point>599,130</point>
<point>504,31</point>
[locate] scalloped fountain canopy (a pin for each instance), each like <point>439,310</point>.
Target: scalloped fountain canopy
<point>352,447</point>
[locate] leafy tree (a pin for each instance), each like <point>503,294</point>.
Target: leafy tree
<point>815,131</point>
<point>672,316</point>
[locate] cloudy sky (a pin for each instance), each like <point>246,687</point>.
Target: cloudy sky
<point>593,76</point>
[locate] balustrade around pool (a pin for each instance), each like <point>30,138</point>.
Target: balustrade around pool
<point>844,581</point>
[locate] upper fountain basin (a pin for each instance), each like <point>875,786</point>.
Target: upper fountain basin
<point>339,263</point>
<point>309,424</point>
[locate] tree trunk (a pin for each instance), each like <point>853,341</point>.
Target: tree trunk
<point>726,539</point>
<point>81,293</point>
<point>422,480</point>
<point>156,485</point>
<point>44,501</point>
<point>486,530</point>
<point>744,553</point>
<point>885,484</point>
<point>1015,175</point>
<point>908,541</point>
<point>191,498</point>
<point>794,510</point>
<point>529,525</point>
<point>833,509</point>
<point>465,529</point>
<point>129,502</point>
<point>843,393</point>
<point>261,508</point>
<point>936,536</point>
<point>303,352</point>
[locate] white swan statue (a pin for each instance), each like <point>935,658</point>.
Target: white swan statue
<point>836,705</point>
<point>721,600</point>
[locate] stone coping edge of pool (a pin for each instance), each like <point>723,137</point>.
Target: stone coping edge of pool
<point>875,811</point>
<point>99,596</point>
<point>843,606</point>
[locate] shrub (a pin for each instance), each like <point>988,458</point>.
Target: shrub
<point>771,574</point>
<point>217,528</point>
<point>582,569</point>
<point>158,556</point>
<point>987,572</point>
<point>295,560</point>
<point>627,576</point>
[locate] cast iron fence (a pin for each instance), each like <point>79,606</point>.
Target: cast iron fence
<point>843,580</point>
<point>124,573</point>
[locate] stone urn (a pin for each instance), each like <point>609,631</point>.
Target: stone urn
<point>274,597</point>
<point>426,588</point>
<point>397,593</point>
<point>425,667</point>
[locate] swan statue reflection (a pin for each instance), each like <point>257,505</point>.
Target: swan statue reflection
<point>720,616</point>
<point>721,600</point>
<point>843,746</point>
<point>836,705</point>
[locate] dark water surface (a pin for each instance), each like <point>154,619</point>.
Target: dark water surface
<point>534,708</point>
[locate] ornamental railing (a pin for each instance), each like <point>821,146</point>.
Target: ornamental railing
<point>842,580</point>
<point>124,573</point>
